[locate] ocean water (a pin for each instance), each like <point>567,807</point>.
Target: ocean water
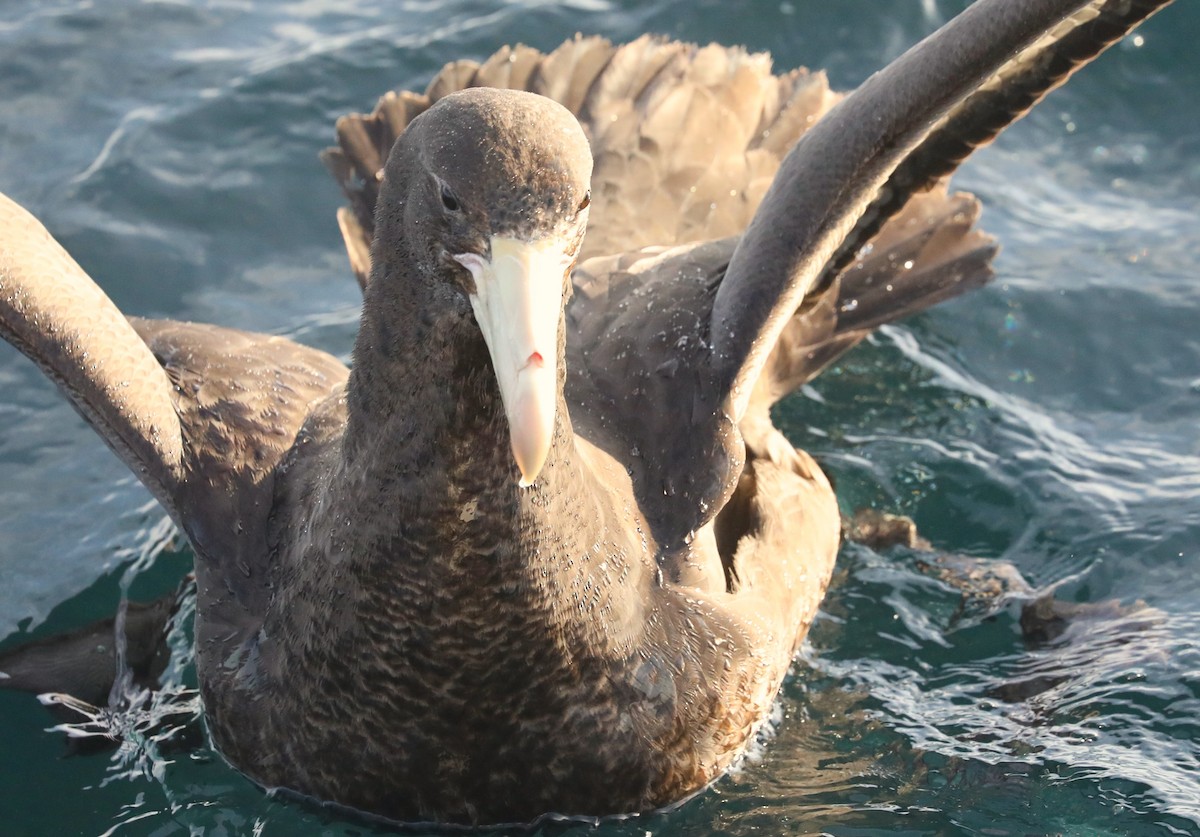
<point>1048,424</point>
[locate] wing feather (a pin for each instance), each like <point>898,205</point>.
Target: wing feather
<point>897,134</point>
<point>662,176</point>
<point>56,315</point>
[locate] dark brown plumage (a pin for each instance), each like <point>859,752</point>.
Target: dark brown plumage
<point>386,618</point>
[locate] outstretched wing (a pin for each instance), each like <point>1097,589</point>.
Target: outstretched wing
<point>203,415</point>
<point>52,311</point>
<point>904,128</point>
<point>639,380</point>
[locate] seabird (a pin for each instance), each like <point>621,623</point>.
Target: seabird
<point>541,548</point>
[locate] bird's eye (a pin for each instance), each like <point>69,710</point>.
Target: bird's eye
<point>587,199</point>
<point>449,200</point>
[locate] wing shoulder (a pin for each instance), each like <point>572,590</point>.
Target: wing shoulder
<point>241,397</point>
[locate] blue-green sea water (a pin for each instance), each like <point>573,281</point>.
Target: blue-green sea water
<point>1050,422</point>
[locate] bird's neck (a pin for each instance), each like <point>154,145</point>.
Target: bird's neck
<point>428,450</point>
<point>415,340</point>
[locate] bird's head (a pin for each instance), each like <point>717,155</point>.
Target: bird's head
<point>491,191</point>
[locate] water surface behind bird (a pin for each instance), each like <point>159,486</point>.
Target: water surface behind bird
<point>1049,422</point>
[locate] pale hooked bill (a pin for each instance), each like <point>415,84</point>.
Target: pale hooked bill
<point>517,302</point>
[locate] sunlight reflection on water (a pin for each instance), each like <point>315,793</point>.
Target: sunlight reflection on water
<point>1048,422</point>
